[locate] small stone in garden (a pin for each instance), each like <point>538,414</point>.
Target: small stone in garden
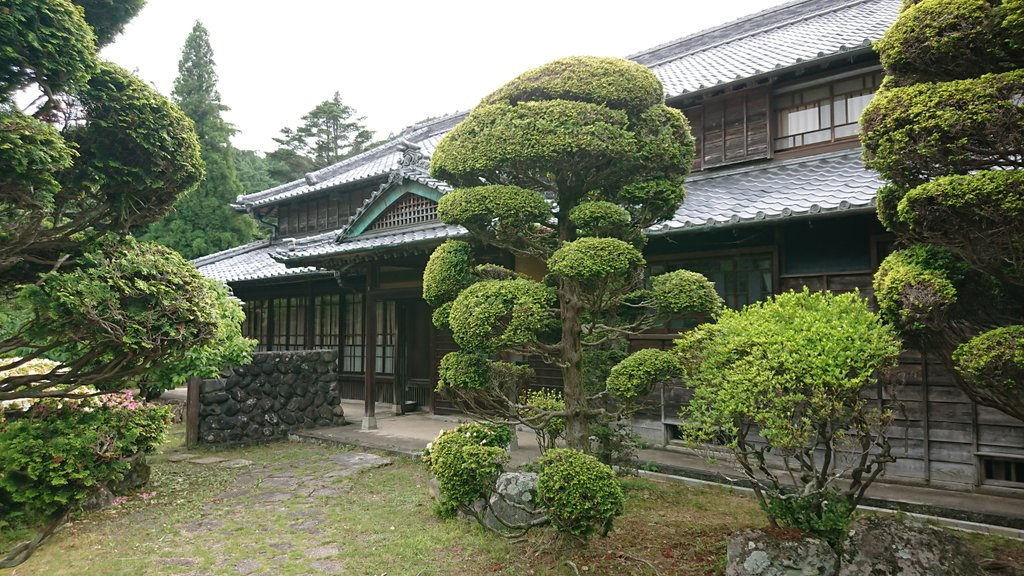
<point>323,552</point>
<point>359,460</point>
<point>208,460</point>
<point>236,463</point>
<point>275,496</point>
<point>247,566</point>
<point>180,457</point>
<point>280,482</point>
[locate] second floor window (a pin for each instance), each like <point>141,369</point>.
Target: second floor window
<point>822,113</point>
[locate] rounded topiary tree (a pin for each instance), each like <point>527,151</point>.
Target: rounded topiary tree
<point>787,378</point>
<point>566,165</point>
<point>96,155</point>
<point>946,131</point>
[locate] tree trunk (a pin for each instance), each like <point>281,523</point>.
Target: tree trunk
<point>577,429</point>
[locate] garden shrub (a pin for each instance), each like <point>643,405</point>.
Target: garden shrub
<point>59,452</point>
<point>535,404</point>
<point>794,370</point>
<point>582,494</point>
<point>466,461</point>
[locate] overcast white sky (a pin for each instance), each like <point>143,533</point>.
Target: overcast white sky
<point>395,62</point>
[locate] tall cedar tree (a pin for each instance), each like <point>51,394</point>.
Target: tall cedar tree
<point>946,131</point>
<point>99,154</point>
<point>203,222</point>
<point>564,165</point>
<point>329,133</point>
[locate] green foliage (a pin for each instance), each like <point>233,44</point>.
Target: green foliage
<point>129,310</point>
<point>537,404</point>
<point>506,213</point>
<point>980,216</point>
<point>947,131</point>
<point>467,461</point>
<point>447,272</point>
<point>253,172</point>
<point>788,364</point>
<point>634,376</point>
<point>917,132</point>
<point>57,52</point>
<point>565,164</point>
<point>682,291</point>
<point>534,136</point>
<point>463,370</point>
<point>601,218</point>
<point>611,82</point>
<point>55,457</point>
<point>203,221</point>
<point>128,154</point>
<point>993,359</point>
<point>582,495</point>
<point>596,259</point>
<point>915,286</point>
<point>828,517</point>
<point>495,314</point>
<point>615,444</point>
<point>792,370</point>
<point>329,133</point>
<point>108,17</point>
<point>943,40</point>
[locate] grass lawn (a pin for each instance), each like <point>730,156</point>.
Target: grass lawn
<point>287,514</point>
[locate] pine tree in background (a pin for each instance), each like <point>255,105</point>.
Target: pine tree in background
<point>329,133</point>
<point>203,222</point>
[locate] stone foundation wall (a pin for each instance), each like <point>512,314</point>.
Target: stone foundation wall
<point>275,394</point>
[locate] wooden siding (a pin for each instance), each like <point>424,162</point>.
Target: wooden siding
<point>730,128</point>
<point>325,212</point>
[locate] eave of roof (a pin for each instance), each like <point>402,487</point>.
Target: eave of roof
<point>361,169</point>
<point>776,190</point>
<point>787,37</point>
<point>251,262</point>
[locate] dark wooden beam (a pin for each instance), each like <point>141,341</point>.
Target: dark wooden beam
<point>370,352</point>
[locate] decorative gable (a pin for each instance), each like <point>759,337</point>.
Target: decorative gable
<point>408,210</point>
<point>394,206</point>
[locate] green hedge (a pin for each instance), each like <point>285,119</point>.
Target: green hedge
<point>582,495</point>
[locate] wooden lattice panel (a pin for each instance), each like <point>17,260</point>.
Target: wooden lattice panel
<point>410,209</point>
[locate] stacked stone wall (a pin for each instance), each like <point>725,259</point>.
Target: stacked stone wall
<point>277,393</point>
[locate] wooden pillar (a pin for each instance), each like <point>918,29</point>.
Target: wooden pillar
<point>370,352</point>
<point>192,412</point>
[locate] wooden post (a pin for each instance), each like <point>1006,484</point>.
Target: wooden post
<point>370,353</point>
<point>192,412</point>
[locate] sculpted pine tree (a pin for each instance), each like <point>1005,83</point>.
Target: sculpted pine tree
<point>565,165</point>
<point>98,154</point>
<point>947,132</point>
<point>202,221</point>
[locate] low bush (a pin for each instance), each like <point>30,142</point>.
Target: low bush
<point>55,455</point>
<point>582,494</point>
<point>466,461</point>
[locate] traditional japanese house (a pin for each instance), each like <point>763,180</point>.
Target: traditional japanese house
<point>778,200</point>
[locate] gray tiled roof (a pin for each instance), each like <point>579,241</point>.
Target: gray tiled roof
<point>778,38</point>
<point>325,245</point>
<point>803,187</point>
<point>250,262</point>
<point>371,164</point>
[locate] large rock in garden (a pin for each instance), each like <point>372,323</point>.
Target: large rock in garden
<point>883,545</point>
<point>765,553</point>
<point>514,505</point>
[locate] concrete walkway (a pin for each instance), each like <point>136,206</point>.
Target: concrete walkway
<point>409,434</point>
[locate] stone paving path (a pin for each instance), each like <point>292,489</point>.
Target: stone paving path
<point>291,521</point>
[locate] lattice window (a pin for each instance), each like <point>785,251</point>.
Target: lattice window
<point>410,209</point>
